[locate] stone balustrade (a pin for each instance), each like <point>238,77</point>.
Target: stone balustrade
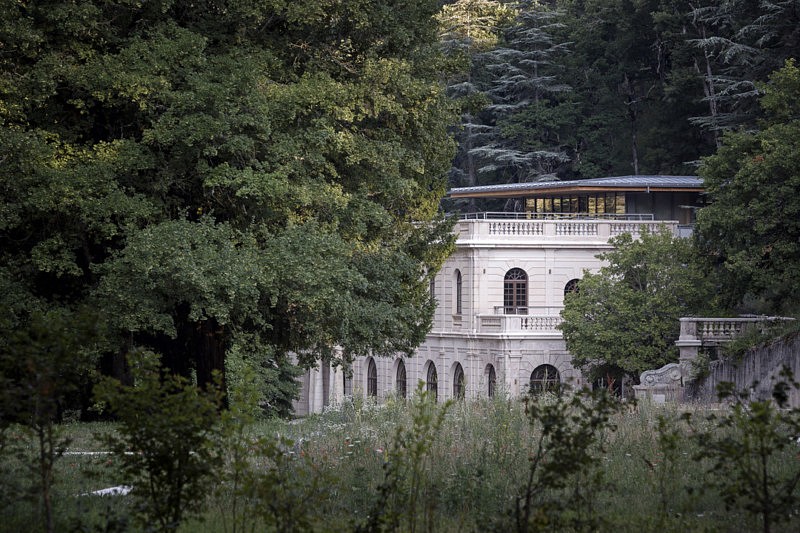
<point>533,231</point>
<point>714,331</point>
<point>696,333</point>
<point>502,324</point>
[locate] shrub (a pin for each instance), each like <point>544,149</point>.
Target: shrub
<point>165,441</point>
<point>564,475</point>
<point>404,497</point>
<point>747,449</point>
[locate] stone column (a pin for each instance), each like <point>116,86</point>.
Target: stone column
<point>688,345</point>
<point>337,390</point>
<point>315,397</point>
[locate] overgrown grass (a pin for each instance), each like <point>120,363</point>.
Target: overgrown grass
<point>474,468</point>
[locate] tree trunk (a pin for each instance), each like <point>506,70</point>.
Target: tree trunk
<point>207,345</point>
<point>631,103</point>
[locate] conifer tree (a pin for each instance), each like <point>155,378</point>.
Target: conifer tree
<point>526,140</point>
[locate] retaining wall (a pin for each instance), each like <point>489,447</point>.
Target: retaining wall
<point>758,371</point>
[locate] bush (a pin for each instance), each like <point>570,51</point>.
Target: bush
<point>166,442</point>
<point>752,454</point>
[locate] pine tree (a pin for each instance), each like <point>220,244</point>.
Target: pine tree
<point>525,139</point>
<point>468,29</point>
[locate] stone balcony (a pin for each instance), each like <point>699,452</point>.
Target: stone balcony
<point>537,321</point>
<point>530,229</point>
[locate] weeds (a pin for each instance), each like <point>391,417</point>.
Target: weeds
<point>752,453</point>
<point>553,463</point>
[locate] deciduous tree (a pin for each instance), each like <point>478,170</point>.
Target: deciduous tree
<point>626,315</point>
<point>750,230</point>
<point>208,174</point>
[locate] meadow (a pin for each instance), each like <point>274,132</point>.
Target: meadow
<point>489,465</point>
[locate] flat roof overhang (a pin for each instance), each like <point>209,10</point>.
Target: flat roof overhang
<point>647,184</point>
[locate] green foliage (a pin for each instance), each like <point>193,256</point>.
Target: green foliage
<point>526,134</point>
<point>276,379</point>
<point>756,335</point>
<point>752,453</point>
<point>43,363</point>
<point>750,230</point>
<point>253,174</point>
<point>477,462</point>
<point>267,481</point>
<point>285,489</point>
<point>627,314</point>
<point>166,440</point>
<point>564,474</point>
<point>405,497</point>
<point>665,470</point>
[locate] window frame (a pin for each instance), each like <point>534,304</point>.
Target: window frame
<point>491,379</point>
<point>544,382</point>
<point>515,292</point>
<point>432,381</point>
<point>401,379</point>
<point>458,292</point>
<point>459,382</point>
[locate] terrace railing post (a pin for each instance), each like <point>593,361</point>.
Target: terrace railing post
<point>688,347</point>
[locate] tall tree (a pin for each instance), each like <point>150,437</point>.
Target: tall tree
<point>635,87</point>
<point>527,91</point>
<point>225,173</point>
<point>470,28</point>
<point>626,316</point>
<point>742,42</point>
<point>750,230</point>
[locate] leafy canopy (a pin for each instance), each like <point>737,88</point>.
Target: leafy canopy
<point>261,176</point>
<point>751,230</point>
<point>626,315</point>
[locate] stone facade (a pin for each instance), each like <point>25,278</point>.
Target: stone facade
<point>494,347</point>
<point>500,294</point>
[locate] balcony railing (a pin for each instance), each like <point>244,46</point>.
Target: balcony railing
<point>536,320</point>
<point>521,228</point>
<point>498,215</point>
<point>714,331</point>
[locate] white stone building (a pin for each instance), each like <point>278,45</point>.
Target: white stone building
<point>501,292</point>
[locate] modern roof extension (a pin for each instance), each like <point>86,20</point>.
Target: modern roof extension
<point>617,183</point>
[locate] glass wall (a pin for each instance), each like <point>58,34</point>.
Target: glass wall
<point>598,203</point>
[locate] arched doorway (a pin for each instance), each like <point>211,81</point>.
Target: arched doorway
<point>400,382</point>
<point>491,380</point>
<point>432,381</point>
<point>372,378</point>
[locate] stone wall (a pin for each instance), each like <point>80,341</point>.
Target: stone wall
<point>758,371</point>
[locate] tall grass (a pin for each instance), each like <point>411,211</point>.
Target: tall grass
<point>475,467</point>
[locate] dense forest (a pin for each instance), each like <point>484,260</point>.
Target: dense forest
<point>572,89</point>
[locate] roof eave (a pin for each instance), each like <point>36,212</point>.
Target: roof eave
<point>561,190</point>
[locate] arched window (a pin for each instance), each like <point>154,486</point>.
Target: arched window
<point>372,378</point>
<point>491,380</point>
<point>515,292</point>
<point>459,389</point>
<point>544,378</point>
<point>400,384</point>
<point>432,384</point>
<point>571,287</point>
<point>458,292</point>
